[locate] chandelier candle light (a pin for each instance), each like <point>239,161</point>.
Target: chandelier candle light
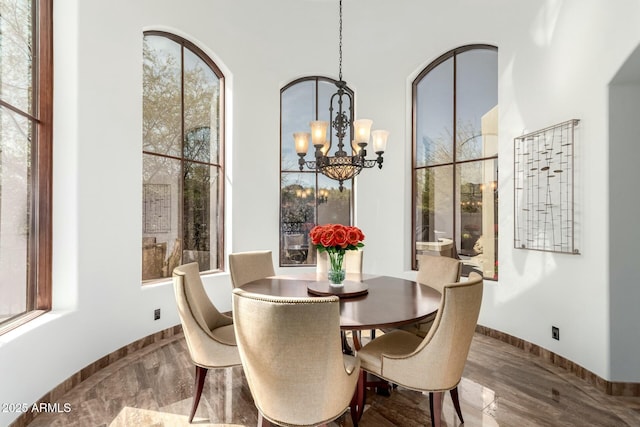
<point>335,240</point>
<point>340,166</point>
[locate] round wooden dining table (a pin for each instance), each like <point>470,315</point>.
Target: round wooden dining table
<point>389,301</point>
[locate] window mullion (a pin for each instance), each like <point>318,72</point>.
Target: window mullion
<point>181,182</point>
<point>455,146</point>
<point>44,139</point>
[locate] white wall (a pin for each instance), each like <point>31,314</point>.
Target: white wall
<point>556,59</point>
<point>554,69</point>
<point>624,152</point>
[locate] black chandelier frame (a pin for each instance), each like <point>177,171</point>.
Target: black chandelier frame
<point>341,166</point>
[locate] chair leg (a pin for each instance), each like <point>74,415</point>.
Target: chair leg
<point>456,402</point>
<point>435,408</point>
<point>346,348</point>
<point>262,421</point>
<point>201,374</point>
<point>358,399</point>
<point>357,339</point>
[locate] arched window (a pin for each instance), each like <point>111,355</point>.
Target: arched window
<point>307,198</point>
<point>455,158</point>
<point>26,101</point>
<point>183,105</point>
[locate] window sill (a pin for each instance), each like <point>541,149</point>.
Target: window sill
<point>20,320</point>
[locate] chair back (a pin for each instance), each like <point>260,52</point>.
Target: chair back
<point>292,357</point>
<point>436,271</point>
<point>248,266</point>
<point>295,249</point>
<point>352,262</point>
<point>438,362</point>
<point>209,334</point>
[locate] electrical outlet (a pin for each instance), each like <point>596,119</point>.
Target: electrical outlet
<point>156,314</point>
<point>555,333</point>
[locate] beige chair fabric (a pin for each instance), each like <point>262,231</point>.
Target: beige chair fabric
<point>352,262</point>
<point>435,363</point>
<point>248,266</point>
<point>434,271</point>
<point>209,334</point>
<point>292,357</point>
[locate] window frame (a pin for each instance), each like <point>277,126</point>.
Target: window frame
<point>284,139</point>
<point>39,293</point>
<point>454,163</point>
<point>220,165</point>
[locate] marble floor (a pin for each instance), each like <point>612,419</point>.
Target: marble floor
<point>502,386</point>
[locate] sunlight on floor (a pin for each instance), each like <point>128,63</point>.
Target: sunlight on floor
<point>144,417</point>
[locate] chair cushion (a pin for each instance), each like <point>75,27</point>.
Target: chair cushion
<point>225,334</point>
<point>395,343</point>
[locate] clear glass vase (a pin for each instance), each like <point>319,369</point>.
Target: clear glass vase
<point>336,273</point>
<point>336,277</point>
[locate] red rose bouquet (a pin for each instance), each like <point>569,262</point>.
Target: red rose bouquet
<point>335,239</point>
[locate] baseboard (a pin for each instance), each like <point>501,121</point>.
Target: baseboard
<point>608,387</point>
<point>86,372</point>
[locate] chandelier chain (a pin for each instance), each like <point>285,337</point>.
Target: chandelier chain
<point>340,45</point>
<point>342,165</point>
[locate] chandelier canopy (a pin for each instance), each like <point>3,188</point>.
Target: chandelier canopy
<point>341,166</point>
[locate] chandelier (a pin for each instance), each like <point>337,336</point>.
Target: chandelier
<point>341,166</point>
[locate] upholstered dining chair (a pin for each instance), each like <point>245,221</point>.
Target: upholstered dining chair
<point>209,334</point>
<point>352,262</point>
<point>248,266</point>
<point>434,363</point>
<point>434,271</point>
<point>292,358</point>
